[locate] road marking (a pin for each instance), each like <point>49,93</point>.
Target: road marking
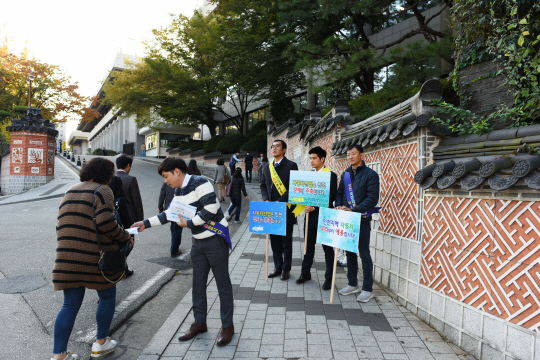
<point>91,334</point>
<point>26,210</point>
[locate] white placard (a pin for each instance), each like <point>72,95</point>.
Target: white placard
<point>177,208</point>
<point>17,142</point>
<point>35,143</point>
<point>35,170</point>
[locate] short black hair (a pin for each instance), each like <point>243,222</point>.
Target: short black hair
<point>99,170</point>
<point>116,187</point>
<point>123,161</point>
<point>357,147</point>
<point>169,164</point>
<point>237,173</point>
<point>319,151</point>
<point>283,144</point>
<point>264,159</point>
<point>220,161</point>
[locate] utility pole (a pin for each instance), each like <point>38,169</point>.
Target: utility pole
<point>31,78</point>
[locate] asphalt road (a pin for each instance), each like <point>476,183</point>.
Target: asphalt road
<point>27,249</point>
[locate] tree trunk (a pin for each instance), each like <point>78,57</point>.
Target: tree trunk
<point>364,79</point>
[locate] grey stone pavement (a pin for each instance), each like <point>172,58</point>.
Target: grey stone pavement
<point>282,320</point>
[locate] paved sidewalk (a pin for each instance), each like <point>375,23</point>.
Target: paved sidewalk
<point>65,177</point>
<point>282,320</point>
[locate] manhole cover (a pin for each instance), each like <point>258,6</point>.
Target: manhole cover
<point>22,284</point>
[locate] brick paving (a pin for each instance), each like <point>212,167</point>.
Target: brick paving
<point>282,320</point>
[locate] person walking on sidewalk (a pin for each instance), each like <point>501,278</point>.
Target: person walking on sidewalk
<point>210,244</point>
<point>221,172</point>
<point>192,168</point>
<point>248,161</point>
<point>77,255</point>
<point>235,159</point>
<point>131,187</point>
<point>238,187</point>
<point>359,192</point>
<point>165,197</point>
<point>275,187</point>
<point>317,156</point>
<point>143,150</point>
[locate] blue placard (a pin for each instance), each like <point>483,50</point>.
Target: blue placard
<point>339,229</point>
<point>309,188</point>
<point>267,217</point>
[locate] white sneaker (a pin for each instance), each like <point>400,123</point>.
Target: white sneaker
<point>70,356</point>
<point>349,290</point>
<point>102,350</point>
<point>365,296</point>
<point>227,216</point>
<point>237,222</point>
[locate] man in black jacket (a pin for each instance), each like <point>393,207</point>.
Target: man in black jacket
<point>248,160</point>
<point>317,156</point>
<point>365,196</point>
<point>281,245</point>
<point>165,197</point>
<point>130,187</point>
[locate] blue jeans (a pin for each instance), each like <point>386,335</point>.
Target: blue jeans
<point>365,256</point>
<point>73,298</point>
<point>236,202</point>
<point>176,237</point>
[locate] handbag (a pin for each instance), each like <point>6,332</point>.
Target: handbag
<point>113,261</point>
<point>228,189</point>
<point>225,176</point>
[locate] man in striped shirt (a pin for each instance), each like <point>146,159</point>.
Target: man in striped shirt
<point>208,250</point>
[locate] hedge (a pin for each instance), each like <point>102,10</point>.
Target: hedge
<point>210,145</point>
<point>257,144</point>
<point>231,143</point>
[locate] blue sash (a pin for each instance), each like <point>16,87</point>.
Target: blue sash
<point>220,230</point>
<point>350,196</point>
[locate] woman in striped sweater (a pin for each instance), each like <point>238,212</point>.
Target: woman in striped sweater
<point>77,255</point>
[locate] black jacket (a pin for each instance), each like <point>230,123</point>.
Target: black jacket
<point>133,195</point>
<point>268,190</point>
<point>248,160</point>
<point>314,215</point>
<point>165,197</point>
<point>238,187</point>
<point>365,188</point>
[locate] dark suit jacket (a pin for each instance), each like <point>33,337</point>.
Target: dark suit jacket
<point>248,160</point>
<point>268,190</point>
<point>165,197</point>
<point>133,195</point>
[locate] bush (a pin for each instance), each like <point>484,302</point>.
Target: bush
<point>210,145</point>
<point>259,128</point>
<point>231,143</point>
<point>197,146</point>
<point>111,153</point>
<point>257,144</point>
<point>88,151</point>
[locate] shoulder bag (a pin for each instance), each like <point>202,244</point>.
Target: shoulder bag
<point>226,177</point>
<point>113,261</point>
<point>228,189</point>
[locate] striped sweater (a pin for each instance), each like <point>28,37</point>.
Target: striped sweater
<point>77,251</point>
<point>198,192</point>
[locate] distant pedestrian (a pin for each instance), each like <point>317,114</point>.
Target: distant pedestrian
<point>193,169</point>
<point>221,172</point>
<point>210,245</point>
<point>104,151</point>
<point>238,187</point>
<point>165,197</point>
<point>235,159</point>
<point>77,255</point>
<point>264,163</point>
<point>143,150</point>
<point>248,160</point>
<point>130,187</point>
<point>121,213</point>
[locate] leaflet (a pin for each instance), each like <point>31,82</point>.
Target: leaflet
<point>178,208</point>
<point>133,231</point>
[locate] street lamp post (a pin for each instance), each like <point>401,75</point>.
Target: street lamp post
<point>31,78</point>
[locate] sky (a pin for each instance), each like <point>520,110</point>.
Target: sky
<point>83,37</point>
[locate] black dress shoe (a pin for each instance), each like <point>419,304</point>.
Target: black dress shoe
<point>303,278</point>
<point>327,285</point>
<point>129,273</point>
<point>275,273</point>
<point>285,275</point>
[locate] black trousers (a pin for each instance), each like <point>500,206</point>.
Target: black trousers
<point>310,250</point>
<point>282,246</point>
<point>249,174</point>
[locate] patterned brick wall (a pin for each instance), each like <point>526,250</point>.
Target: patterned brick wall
<point>485,253</point>
<point>325,141</point>
<point>32,154</point>
<point>399,196</point>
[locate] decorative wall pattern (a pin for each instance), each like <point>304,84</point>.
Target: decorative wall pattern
<point>398,197</point>
<point>485,253</point>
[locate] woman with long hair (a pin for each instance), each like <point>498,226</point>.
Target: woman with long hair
<point>220,172</point>
<point>192,168</point>
<point>78,253</point>
<point>238,187</point>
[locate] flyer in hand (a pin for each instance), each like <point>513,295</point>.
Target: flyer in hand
<point>178,208</point>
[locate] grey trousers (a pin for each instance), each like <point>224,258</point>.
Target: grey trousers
<point>211,253</point>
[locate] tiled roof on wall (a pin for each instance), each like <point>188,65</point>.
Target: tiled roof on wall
<point>471,160</point>
<point>32,122</point>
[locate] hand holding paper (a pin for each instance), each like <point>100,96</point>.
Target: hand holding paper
<point>177,208</point>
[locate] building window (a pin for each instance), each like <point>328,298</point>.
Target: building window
<point>230,127</point>
<point>299,103</point>
<point>166,139</point>
<point>257,116</point>
<point>197,135</point>
<point>151,141</point>
<point>217,130</point>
